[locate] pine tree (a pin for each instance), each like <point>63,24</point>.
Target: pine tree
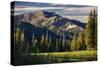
<point>74,43</point>
<point>63,41</point>
<point>46,42</point>
<point>17,41</point>
<point>33,44</point>
<point>95,28</point>
<point>60,45</point>
<point>81,41</point>
<point>36,45</point>
<point>68,44</point>
<point>50,42</point>
<point>91,31</point>
<point>18,35</point>
<point>42,39</point>
<point>22,43</point>
<point>57,43</point>
<point>42,43</point>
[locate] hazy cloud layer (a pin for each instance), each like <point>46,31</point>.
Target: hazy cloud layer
<point>63,10</point>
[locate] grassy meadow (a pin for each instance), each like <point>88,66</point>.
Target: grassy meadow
<point>56,57</point>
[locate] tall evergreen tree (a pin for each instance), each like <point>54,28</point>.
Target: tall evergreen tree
<point>18,35</point>
<point>50,43</point>
<point>22,43</point>
<point>63,41</point>
<point>60,48</point>
<point>42,43</point>
<point>33,44</point>
<point>46,42</point>
<point>91,31</point>
<point>95,28</point>
<point>81,41</point>
<point>74,43</point>
<point>68,44</point>
<point>57,44</point>
<point>17,40</point>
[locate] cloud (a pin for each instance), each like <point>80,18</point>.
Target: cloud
<point>61,10</point>
<point>76,11</point>
<point>72,11</point>
<point>37,8</point>
<point>31,9</point>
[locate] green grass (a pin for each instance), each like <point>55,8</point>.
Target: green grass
<point>77,55</point>
<point>57,57</point>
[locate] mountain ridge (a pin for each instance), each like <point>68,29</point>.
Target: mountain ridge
<point>52,22</point>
